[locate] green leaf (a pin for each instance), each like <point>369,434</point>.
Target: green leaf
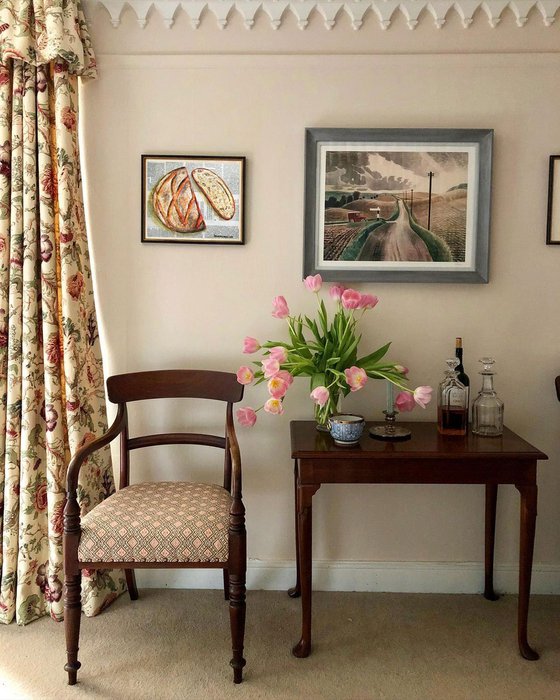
<point>317,380</point>
<point>338,324</point>
<point>323,316</point>
<point>347,335</point>
<point>373,374</point>
<point>276,343</point>
<point>304,368</point>
<point>298,341</point>
<point>293,336</point>
<point>29,609</point>
<point>348,353</point>
<point>312,325</point>
<point>35,435</point>
<point>373,358</point>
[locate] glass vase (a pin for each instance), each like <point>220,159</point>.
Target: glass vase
<point>330,408</point>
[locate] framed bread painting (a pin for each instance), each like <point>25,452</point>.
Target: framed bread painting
<point>193,199</point>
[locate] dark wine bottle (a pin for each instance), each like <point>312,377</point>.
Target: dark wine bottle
<point>461,375</point>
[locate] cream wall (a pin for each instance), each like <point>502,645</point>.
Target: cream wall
<point>253,94</point>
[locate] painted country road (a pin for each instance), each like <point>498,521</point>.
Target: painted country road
<point>395,240</point>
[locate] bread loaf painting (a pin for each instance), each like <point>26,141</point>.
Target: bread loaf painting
<point>193,199</point>
<point>216,192</point>
<point>175,203</point>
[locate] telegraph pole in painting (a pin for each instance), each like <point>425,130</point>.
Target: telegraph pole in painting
<point>431,176</point>
<point>411,200</point>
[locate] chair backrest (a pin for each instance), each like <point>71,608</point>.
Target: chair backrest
<point>558,387</point>
<point>175,383</point>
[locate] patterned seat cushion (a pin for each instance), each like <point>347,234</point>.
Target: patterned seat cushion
<point>163,521</point>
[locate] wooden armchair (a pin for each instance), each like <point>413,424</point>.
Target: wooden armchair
<point>160,524</point>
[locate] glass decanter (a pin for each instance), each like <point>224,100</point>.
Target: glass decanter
<point>453,402</point>
<point>487,409</point>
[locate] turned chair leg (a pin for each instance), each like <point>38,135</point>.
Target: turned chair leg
<point>226,584</point>
<point>72,614</point>
<point>131,584</point>
<point>237,622</point>
<point>237,570</point>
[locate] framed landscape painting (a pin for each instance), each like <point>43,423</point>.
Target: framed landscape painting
<point>553,217</point>
<point>398,205</point>
<point>193,199</point>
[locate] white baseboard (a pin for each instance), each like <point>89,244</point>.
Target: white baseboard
<point>380,576</point>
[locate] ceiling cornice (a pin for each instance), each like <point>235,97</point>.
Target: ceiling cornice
<point>414,11</point>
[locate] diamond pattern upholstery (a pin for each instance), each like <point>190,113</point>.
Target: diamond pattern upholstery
<point>167,521</point>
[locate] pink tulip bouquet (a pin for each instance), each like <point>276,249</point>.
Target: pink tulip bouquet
<point>326,350</point>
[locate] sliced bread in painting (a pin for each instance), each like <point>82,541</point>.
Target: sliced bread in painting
<point>216,192</point>
<point>175,203</point>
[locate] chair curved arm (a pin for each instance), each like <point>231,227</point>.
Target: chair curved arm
<point>235,463</point>
<point>84,452</point>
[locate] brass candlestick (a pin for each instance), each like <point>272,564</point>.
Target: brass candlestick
<point>389,430</point>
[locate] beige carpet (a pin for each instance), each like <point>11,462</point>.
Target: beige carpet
<point>174,644</point>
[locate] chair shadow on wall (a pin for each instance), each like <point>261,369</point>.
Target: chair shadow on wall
<point>168,524</point>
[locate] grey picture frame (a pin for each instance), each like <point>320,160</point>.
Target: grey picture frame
<point>553,209</point>
<point>476,144</point>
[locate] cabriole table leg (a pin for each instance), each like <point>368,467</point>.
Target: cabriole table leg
<point>305,496</point>
<point>295,592</point>
<point>527,538</point>
<point>489,540</point>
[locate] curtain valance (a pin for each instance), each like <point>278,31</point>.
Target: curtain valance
<point>40,31</point>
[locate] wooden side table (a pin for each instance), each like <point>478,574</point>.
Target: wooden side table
<point>427,458</point>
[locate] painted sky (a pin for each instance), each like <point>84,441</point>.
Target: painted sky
<point>395,170</point>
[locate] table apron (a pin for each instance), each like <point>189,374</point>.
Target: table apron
<point>417,471</point>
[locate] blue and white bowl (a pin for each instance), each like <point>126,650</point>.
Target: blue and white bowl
<point>346,428</point>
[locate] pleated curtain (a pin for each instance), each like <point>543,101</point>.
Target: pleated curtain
<point>51,378</point>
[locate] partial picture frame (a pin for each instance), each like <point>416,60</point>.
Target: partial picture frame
<point>553,211</point>
<point>398,205</point>
<point>193,199</point>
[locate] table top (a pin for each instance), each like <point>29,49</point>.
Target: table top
<point>426,441</point>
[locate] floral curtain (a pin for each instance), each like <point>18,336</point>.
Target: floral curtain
<point>51,379</point>
<point>42,31</point>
